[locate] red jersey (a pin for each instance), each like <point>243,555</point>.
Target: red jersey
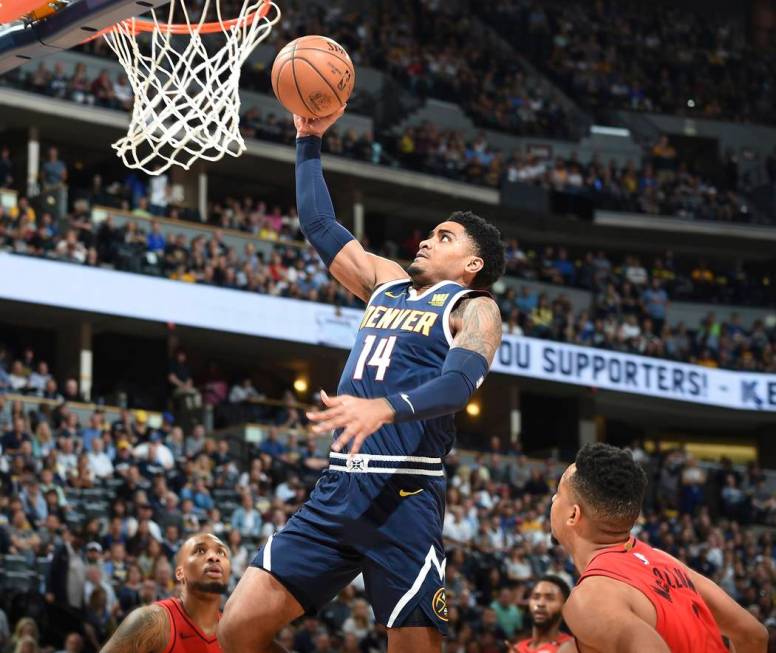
<point>684,621</point>
<point>185,635</point>
<point>527,645</point>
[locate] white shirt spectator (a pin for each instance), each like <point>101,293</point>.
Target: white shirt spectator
<point>159,190</point>
<point>163,456</point>
<point>636,274</point>
<point>628,331</point>
<point>37,382</point>
<point>122,90</point>
<point>458,531</point>
<point>285,492</point>
<point>18,381</point>
<point>518,570</point>
<point>100,464</point>
<point>110,595</point>
<point>242,392</point>
<point>66,464</point>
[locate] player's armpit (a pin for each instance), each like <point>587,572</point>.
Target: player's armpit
<point>361,272</point>
<point>600,618</point>
<point>746,634</point>
<point>476,323</point>
<point>145,630</point>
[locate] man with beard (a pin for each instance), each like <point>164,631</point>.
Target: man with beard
<point>545,605</point>
<point>187,624</point>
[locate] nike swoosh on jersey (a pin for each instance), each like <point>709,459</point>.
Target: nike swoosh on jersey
<point>406,493</point>
<point>388,293</point>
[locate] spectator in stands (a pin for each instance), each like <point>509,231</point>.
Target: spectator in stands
<point>12,440</point>
<point>246,519</point>
<point>159,194</point>
<point>26,631</point>
<point>74,643</point>
<point>183,392</point>
<point>100,464</point>
<point>67,576</point>
<point>156,240</point>
<point>53,171</point>
<point>6,168</point>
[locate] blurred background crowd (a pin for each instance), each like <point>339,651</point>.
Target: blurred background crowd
<point>630,296</point>
<point>93,510</point>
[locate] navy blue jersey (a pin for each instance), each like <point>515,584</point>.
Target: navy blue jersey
<point>402,343</point>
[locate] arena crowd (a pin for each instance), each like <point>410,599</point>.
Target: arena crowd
<point>92,512</point>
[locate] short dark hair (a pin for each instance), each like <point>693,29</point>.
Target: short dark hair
<point>490,248</point>
<point>558,582</point>
<point>611,483</point>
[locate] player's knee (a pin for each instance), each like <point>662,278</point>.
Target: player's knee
<point>238,631</point>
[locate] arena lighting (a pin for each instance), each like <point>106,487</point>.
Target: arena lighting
<point>472,409</point>
<point>602,130</point>
<point>300,385</point>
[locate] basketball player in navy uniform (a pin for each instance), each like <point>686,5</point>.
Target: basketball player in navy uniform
<point>425,344</point>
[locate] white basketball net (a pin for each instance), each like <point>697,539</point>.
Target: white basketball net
<point>186,99</point>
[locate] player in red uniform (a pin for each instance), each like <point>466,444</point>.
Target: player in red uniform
<point>632,598</point>
<point>546,606</point>
<point>188,624</point>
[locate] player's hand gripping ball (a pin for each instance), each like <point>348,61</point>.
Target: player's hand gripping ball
<point>313,76</point>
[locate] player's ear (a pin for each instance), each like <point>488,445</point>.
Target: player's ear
<point>179,574</point>
<point>575,515</point>
<point>474,265</point>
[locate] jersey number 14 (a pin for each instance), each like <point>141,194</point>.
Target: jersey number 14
<point>381,358</point>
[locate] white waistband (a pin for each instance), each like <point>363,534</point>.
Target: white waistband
<point>361,463</point>
<point>393,459</point>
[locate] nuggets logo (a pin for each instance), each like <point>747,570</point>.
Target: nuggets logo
<point>439,299</point>
<point>439,604</point>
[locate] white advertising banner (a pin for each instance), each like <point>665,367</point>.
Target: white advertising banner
<point>124,294</point>
<point>611,370</point>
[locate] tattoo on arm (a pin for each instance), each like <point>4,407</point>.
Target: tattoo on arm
<point>146,630</point>
<point>478,322</point>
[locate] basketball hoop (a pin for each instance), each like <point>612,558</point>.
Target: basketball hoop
<point>186,99</point>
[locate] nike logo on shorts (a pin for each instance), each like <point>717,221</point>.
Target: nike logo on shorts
<point>406,493</point>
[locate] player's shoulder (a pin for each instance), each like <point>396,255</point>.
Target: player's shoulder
<point>522,646</point>
<point>472,300</point>
<point>589,594</point>
<point>145,630</point>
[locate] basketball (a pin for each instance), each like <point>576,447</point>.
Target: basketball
<point>313,76</point>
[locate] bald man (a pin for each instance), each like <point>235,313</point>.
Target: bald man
<point>187,624</point>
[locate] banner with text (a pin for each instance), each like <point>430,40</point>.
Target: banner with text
<point>140,297</point>
<point>610,370</point>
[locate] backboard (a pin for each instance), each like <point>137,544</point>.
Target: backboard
<point>30,29</point>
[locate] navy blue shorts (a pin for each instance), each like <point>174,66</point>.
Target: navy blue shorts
<point>386,525</point>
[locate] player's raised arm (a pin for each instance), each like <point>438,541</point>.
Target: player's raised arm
<point>737,624</point>
<point>145,630</point>
<point>356,269</point>
<point>599,616</point>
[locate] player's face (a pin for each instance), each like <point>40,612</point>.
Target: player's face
<point>545,604</point>
<point>447,253</point>
<point>203,564</point>
<point>562,506</point>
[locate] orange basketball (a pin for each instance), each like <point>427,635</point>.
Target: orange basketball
<point>313,76</point>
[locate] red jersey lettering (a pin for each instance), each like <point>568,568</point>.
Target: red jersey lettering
<point>528,646</point>
<point>684,621</point>
<point>185,636</point>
